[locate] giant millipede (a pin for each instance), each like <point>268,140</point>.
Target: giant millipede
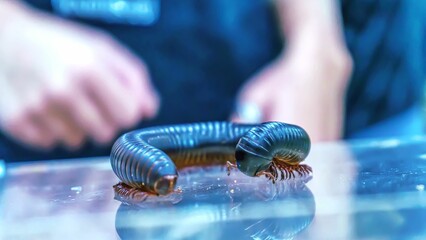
<point>142,159</point>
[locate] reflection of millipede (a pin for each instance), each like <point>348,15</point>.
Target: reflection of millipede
<point>142,159</point>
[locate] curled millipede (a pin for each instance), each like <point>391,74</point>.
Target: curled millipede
<point>142,159</point>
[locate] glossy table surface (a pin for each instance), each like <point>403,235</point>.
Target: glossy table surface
<point>359,190</point>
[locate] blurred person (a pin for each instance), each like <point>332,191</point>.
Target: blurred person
<point>65,82</point>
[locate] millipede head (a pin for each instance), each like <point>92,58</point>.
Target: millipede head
<point>252,153</point>
<point>250,164</point>
<point>165,184</point>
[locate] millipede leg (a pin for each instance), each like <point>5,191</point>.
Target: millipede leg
<point>124,192</point>
<point>267,174</point>
<point>304,169</point>
<point>283,174</point>
<point>288,171</point>
<point>230,166</point>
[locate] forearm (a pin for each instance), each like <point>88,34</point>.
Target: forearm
<point>307,18</point>
<point>313,32</point>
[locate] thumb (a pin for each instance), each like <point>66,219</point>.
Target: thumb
<point>252,103</point>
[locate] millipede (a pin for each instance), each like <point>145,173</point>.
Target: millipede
<point>148,159</point>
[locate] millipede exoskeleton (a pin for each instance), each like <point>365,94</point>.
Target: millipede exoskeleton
<point>142,159</point>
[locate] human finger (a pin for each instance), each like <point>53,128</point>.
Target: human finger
<point>86,114</point>
<point>133,74</point>
<point>30,131</point>
<point>117,105</point>
<point>64,129</point>
<point>18,111</point>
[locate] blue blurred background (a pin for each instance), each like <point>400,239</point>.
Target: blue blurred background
<point>200,53</point>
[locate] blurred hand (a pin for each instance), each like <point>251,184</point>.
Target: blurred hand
<point>62,82</point>
<point>306,87</point>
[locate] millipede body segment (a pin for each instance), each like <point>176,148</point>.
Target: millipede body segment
<point>147,159</point>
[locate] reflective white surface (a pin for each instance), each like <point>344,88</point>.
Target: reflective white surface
<point>371,189</point>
